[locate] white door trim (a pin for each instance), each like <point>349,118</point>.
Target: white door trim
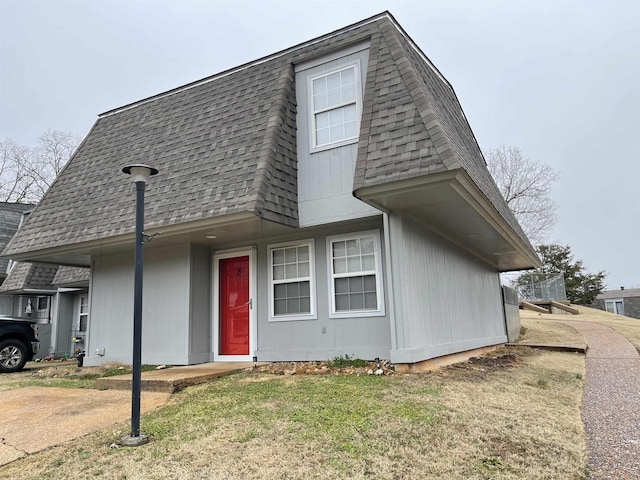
<point>251,253</point>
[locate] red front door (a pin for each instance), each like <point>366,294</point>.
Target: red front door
<point>234,306</point>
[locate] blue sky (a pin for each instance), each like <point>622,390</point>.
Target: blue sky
<point>557,78</point>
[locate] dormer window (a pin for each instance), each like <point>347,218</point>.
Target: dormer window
<point>335,107</point>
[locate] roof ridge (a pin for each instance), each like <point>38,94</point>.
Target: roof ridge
<point>251,63</point>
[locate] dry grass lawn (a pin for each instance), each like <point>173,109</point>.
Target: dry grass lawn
<point>512,415</point>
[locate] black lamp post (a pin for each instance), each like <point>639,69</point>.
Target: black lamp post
<point>140,174</point>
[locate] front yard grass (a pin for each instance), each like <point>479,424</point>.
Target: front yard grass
<point>506,417</point>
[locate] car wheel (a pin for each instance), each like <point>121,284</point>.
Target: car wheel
<point>13,355</point>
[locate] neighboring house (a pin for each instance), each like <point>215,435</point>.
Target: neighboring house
<point>53,297</point>
<point>623,302</point>
<point>11,217</point>
<point>328,199</point>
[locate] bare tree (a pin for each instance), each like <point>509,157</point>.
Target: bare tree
<point>15,181</point>
<point>26,173</point>
<point>526,186</point>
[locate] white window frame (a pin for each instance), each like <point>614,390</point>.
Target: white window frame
<point>81,314</point>
<point>313,315</point>
<point>614,301</point>
<point>355,65</point>
<point>380,312</point>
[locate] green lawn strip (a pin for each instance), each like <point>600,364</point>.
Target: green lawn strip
<point>342,413</point>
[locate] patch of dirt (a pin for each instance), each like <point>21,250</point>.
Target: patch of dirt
<point>383,367</point>
<point>479,368</point>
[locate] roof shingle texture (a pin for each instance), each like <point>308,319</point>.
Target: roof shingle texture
<point>626,293</point>
<point>10,216</point>
<point>29,276</point>
<point>228,144</point>
<point>71,276</point>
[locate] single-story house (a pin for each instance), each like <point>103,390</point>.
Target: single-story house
<point>625,301</point>
<point>329,199</point>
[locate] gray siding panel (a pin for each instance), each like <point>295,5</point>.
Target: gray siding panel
<point>447,300</point>
<point>165,313</point>
<point>200,302</point>
<point>323,338</point>
<point>325,178</point>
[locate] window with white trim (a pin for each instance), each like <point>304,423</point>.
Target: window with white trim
<point>291,279</point>
<point>43,303</point>
<point>356,275</point>
<point>83,316</point>
<point>614,306</point>
<point>335,98</point>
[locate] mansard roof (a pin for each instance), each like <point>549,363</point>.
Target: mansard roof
<point>226,145</point>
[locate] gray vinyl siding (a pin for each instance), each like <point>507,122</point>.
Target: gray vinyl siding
<point>165,319</point>
<point>447,300</point>
<point>63,325</point>
<point>325,178</point>
<point>323,338</point>
<point>200,302</point>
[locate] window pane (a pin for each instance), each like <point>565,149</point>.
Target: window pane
<point>303,269</point>
<point>319,85</point>
<point>293,305</point>
<point>336,117</point>
<point>290,255</point>
<point>339,249</point>
<point>322,136</point>
<point>370,283</point>
<point>368,262</point>
<point>370,301</point>
<point>278,272</point>
<point>342,285</point>
<point>334,97</point>
<point>356,284</point>
<point>336,133</point>
<point>348,93</point>
<point>366,245</point>
<point>278,257</point>
<point>333,81</point>
<point>280,290</point>
<point>304,289</point>
<point>353,264</point>
<point>293,290</point>
<point>340,265</point>
<point>305,305</point>
<point>342,303</point>
<point>322,120</point>
<point>303,254</point>
<point>348,76</point>
<point>291,271</point>
<point>320,101</point>
<point>353,247</point>
<point>349,113</point>
<point>356,301</point>
<point>280,307</point>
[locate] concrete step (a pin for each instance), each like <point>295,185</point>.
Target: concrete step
<point>171,380</point>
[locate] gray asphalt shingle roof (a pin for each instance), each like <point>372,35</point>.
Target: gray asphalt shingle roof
<point>227,144</point>
<point>10,216</point>
<point>626,293</point>
<point>71,276</point>
<point>26,276</point>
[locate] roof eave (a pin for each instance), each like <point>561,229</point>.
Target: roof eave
<point>452,205</point>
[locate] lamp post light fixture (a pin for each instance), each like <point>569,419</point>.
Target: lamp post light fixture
<point>140,174</point>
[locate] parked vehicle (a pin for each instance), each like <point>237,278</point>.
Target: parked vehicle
<point>18,343</point>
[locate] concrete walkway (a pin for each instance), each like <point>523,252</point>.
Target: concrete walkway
<point>171,380</point>
<point>35,418</point>
<point>611,404</point>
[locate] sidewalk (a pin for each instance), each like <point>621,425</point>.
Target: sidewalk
<point>611,404</point>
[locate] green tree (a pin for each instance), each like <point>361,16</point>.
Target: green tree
<point>581,287</point>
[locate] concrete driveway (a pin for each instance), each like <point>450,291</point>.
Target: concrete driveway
<point>34,418</point>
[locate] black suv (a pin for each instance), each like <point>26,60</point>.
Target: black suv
<point>18,342</point>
